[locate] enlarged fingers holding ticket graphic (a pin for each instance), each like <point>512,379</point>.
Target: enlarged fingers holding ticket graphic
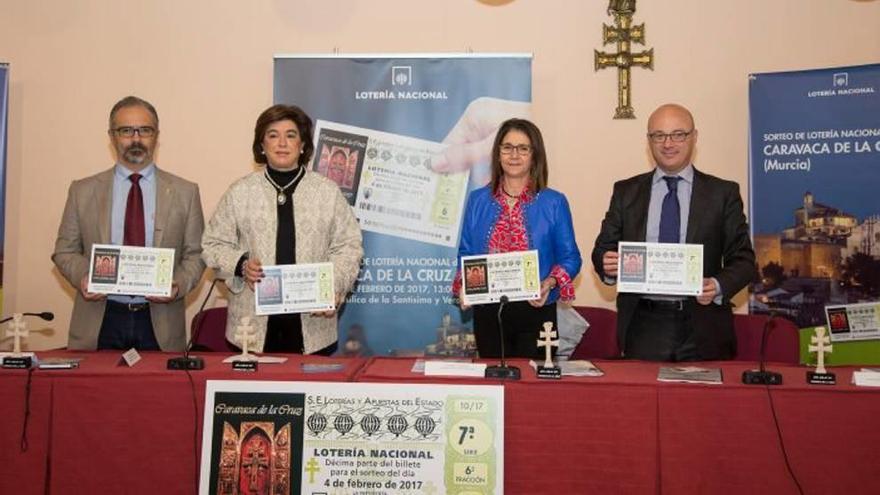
<point>470,139</point>
<point>390,182</point>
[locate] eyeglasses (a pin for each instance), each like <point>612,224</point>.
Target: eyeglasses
<point>522,149</point>
<point>144,132</point>
<point>675,136</point>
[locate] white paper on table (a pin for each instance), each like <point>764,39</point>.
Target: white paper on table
<point>259,359</point>
<point>866,378</point>
<point>453,368</point>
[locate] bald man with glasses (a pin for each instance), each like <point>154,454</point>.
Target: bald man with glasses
<point>133,203</point>
<point>676,203</point>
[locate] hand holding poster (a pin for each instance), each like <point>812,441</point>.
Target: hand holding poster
<point>486,278</point>
<point>130,270</point>
<point>655,268</point>
<point>299,288</point>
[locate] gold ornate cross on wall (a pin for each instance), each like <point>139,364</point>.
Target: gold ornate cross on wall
<point>623,33</point>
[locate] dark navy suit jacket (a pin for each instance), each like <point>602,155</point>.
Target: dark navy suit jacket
<point>716,220</point>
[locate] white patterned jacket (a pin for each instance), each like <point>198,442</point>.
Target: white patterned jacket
<point>245,221</point>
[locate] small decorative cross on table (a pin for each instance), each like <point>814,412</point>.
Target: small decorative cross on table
<point>548,369</point>
<point>245,335</point>
<point>17,330</point>
<point>820,343</point>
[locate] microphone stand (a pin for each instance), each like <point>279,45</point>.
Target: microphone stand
<point>762,376</point>
<point>187,362</point>
<point>502,371</point>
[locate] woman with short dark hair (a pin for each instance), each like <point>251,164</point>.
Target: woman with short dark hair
<point>283,214</point>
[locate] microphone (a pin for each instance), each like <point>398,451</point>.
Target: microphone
<point>761,376</point>
<point>45,315</point>
<point>502,371</point>
<point>187,362</point>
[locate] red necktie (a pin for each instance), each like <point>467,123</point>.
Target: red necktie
<point>134,214</point>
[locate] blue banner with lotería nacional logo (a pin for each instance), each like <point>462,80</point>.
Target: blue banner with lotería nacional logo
<point>406,137</point>
<point>814,183</point>
<point>4,105</point>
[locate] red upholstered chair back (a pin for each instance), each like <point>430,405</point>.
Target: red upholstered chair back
<point>600,340</point>
<point>212,335</point>
<point>782,341</point>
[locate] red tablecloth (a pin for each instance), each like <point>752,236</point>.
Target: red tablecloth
<point>23,472</point>
<point>113,429</point>
<point>723,439</point>
<point>626,432</point>
<point>104,428</point>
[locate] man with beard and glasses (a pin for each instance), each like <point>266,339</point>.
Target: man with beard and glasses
<point>135,204</point>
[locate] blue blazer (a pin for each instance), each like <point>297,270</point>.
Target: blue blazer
<point>548,227</point>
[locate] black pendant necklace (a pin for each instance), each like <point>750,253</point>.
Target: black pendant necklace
<point>282,198</point>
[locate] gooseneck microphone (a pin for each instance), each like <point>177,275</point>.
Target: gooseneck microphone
<point>502,371</point>
<point>187,362</point>
<point>504,301</point>
<point>762,376</point>
<point>45,315</point>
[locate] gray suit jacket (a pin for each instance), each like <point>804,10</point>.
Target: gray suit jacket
<point>86,221</point>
